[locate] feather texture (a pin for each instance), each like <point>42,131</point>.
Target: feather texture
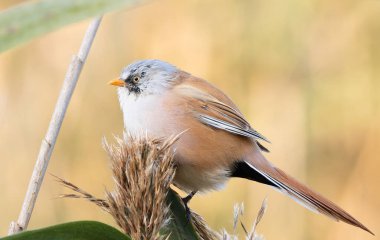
<point>214,109</point>
<point>217,114</point>
<point>301,193</point>
<point>217,141</point>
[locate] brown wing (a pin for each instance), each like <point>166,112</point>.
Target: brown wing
<point>215,109</point>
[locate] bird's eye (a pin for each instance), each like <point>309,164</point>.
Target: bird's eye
<point>136,79</point>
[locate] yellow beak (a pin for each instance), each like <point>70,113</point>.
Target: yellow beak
<point>117,82</point>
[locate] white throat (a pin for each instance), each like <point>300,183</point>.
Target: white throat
<point>140,113</point>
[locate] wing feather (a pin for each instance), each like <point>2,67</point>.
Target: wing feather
<point>213,112</point>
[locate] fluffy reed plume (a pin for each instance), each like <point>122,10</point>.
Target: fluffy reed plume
<point>203,230</point>
<point>80,193</point>
<point>249,235</point>
<point>143,170</point>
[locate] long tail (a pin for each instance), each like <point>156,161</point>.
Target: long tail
<point>257,168</point>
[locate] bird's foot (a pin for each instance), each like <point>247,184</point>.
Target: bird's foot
<point>185,201</point>
<point>188,213</point>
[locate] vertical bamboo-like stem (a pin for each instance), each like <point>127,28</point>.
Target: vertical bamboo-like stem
<point>48,142</point>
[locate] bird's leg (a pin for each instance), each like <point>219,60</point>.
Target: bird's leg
<point>185,201</point>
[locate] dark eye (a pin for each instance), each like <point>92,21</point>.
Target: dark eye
<point>136,79</point>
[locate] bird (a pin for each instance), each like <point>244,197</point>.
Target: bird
<point>161,100</point>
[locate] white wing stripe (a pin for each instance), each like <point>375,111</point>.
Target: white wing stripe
<point>298,197</point>
<point>214,122</point>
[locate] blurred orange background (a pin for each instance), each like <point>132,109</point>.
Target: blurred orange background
<point>305,74</point>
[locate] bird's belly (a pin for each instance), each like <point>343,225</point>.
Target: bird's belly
<point>191,173</point>
<point>190,178</point>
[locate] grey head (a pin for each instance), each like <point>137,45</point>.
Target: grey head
<point>148,77</point>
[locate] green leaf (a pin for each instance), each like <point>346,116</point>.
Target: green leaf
<point>29,20</point>
<point>179,227</point>
<point>82,230</point>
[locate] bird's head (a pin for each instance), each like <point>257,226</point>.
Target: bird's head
<point>146,77</point>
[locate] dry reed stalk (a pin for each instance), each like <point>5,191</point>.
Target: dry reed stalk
<point>48,142</point>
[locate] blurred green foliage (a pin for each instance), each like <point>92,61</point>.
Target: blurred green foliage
<point>83,230</point>
<point>31,19</point>
<point>179,228</point>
